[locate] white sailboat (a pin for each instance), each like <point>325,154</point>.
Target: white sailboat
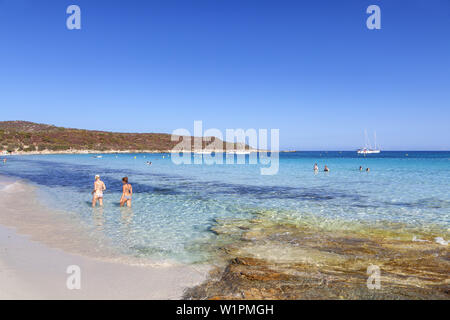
<point>367,148</point>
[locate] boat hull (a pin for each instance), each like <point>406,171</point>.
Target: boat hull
<point>368,151</point>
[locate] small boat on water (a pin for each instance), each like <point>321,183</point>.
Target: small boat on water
<point>238,152</point>
<point>367,148</point>
<point>368,151</point>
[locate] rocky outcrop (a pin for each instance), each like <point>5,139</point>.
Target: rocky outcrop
<point>269,259</point>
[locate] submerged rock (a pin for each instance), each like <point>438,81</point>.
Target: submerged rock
<point>267,259</point>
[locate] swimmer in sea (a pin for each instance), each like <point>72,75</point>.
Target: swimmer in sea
<point>99,187</point>
<point>316,167</point>
<point>326,169</point>
<point>360,168</point>
<point>368,169</point>
<point>149,163</point>
<point>127,192</point>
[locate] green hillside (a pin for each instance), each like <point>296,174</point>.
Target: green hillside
<point>26,136</point>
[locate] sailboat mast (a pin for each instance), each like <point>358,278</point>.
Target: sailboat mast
<point>366,140</point>
<point>375,138</point>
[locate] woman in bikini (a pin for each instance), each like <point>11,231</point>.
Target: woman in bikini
<point>127,192</point>
<point>99,187</point>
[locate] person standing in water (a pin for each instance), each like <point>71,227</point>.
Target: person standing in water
<point>127,192</point>
<point>360,168</point>
<point>99,187</point>
<point>316,167</point>
<point>326,169</point>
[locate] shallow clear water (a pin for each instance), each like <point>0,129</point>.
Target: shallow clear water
<point>174,206</point>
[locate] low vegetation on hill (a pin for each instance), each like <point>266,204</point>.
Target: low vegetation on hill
<point>26,136</point>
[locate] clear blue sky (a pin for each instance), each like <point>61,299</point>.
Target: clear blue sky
<point>310,68</point>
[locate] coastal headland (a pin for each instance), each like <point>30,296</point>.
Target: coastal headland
<point>23,137</point>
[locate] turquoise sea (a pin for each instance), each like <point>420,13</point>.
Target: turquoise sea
<point>175,206</point>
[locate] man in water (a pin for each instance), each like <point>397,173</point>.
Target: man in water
<point>99,187</point>
<point>360,168</point>
<point>368,169</point>
<point>326,169</point>
<point>127,192</point>
<point>316,167</point>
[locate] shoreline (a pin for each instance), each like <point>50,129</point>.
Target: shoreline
<point>47,152</point>
<point>34,258</point>
<point>266,257</point>
<point>74,152</point>
<point>31,270</point>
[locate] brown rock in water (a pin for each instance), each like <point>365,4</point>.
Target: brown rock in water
<point>335,266</point>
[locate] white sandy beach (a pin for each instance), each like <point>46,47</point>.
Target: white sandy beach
<point>34,258</point>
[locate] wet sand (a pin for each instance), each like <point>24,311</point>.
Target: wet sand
<point>37,247</point>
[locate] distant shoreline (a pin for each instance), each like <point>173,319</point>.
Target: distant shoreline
<point>49,152</point>
<point>24,153</point>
